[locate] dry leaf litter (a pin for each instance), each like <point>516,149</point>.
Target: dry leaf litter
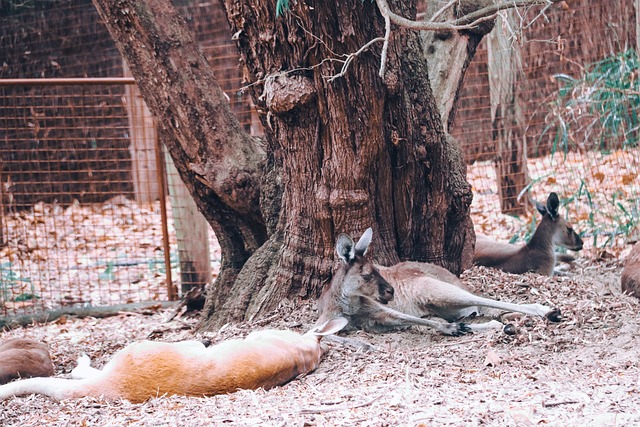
<point>582,371</point>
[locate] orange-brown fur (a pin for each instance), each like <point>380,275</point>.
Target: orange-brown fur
<point>147,369</point>
<point>630,278</point>
<point>23,358</point>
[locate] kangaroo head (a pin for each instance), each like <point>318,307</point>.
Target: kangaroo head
<point>562,232</point>
<point>361,277</point>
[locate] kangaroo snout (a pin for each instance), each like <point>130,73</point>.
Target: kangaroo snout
<point>578,244</point>
<point>385,292</point>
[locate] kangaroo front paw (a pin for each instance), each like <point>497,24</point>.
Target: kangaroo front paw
<point>554,315</point>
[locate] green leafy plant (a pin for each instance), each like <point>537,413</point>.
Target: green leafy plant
<point>10,279</point>
<point>599,107</point>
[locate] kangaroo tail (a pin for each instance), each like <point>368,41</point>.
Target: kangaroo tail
<point>57,388</point>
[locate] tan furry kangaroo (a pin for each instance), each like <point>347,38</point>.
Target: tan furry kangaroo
<point>381,299</point>
<point>147,369</point>
<point>538,255</point>
<point>24,358</point>
<point>630,277</point>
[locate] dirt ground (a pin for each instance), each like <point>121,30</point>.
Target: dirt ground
<point>582,371</point>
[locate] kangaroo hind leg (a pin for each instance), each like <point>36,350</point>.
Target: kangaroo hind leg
<point>451,301</point>
<point>84,368</point>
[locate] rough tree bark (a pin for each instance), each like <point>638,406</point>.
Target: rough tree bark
<point>340,155</point>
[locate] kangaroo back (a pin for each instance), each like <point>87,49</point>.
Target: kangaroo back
<point>538,255</point>
<point>23,358</point>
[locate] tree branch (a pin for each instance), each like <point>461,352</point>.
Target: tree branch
<point>350,57</point>
<point>467,22</point>
<point>443,9</point>
<point>495,8</point>
<point>203,136</point>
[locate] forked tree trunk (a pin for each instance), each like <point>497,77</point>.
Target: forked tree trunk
<point>341,155</point>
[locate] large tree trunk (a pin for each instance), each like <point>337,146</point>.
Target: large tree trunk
<point>341,156</point>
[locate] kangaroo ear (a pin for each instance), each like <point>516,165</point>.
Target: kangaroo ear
<point>345,248</point>
<point>540,207</point>
<point>363,244</point>
<point>553,203</point>
<point>329,327</point>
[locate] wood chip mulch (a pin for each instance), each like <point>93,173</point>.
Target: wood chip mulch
<point>582,371</point>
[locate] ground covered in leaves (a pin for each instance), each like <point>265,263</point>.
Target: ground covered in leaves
<point>582,371</point>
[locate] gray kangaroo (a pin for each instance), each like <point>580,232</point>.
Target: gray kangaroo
<point>538,254</point>
<point>380,299</point>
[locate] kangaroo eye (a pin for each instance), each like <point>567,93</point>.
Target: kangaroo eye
<point>367,277</point>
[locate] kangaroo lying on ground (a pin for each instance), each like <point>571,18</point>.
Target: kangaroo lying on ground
<point>630,277</point>
<point>147,369</point>
<point>23,358</point>
<point>538,254</point>
<point>361,290</point>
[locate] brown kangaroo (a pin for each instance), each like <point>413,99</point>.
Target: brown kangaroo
<point>23,358</point>
<point>630,278</point>
<point>538,254</point>
<point>381,299</point>
<point>147,369</point>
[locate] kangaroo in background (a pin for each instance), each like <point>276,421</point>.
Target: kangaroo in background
<point>538,254</point>
<point>23,358</point>
<point>381,299</point>
<point>630,277</point>
<point>146,369</point>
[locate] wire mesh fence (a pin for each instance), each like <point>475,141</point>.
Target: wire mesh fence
<point>82,183</point>
<point>571,126</point>
<point>72,231</point>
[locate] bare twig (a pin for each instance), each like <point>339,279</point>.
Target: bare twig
<point>350,58</point>
<point>317,410</point>
<point>385,46</point>
<point>451,343</point>
<point>442,10</point>
<point>552,404</point>
<point>495,8</point>
<point>467,22</point>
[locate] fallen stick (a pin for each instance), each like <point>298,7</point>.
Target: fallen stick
<point>318,410</point>
<point>10,322</point>
<point>558,403</point>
